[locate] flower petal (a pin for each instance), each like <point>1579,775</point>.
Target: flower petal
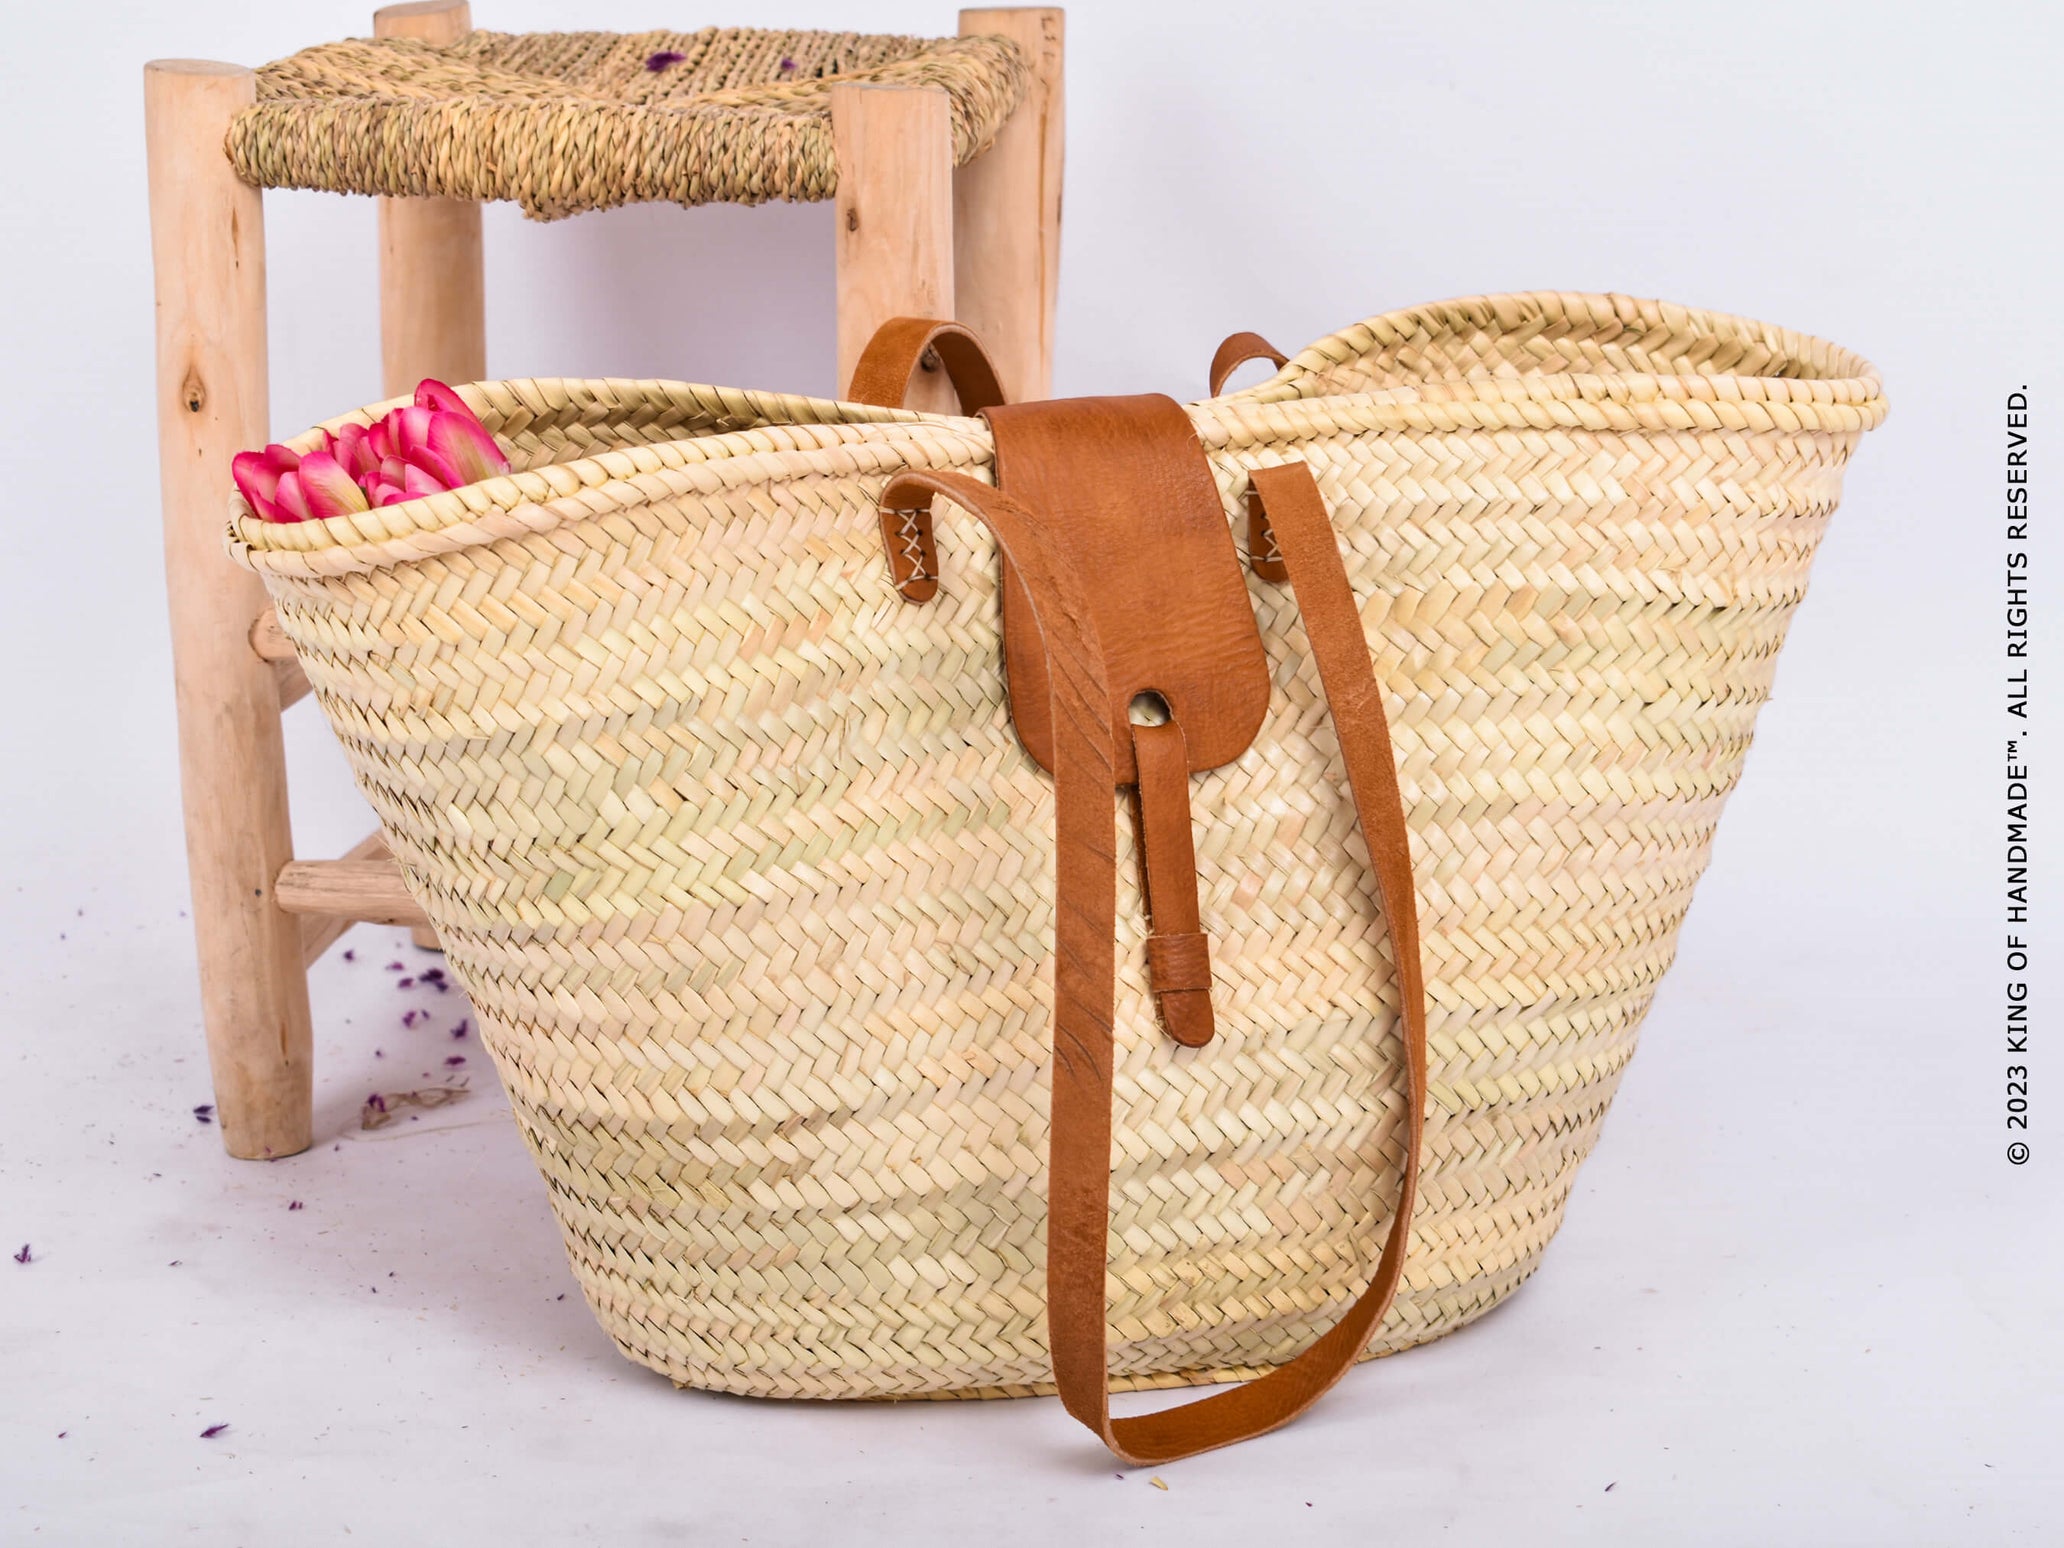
<point>418,482</point>
<point>293,505</point>
<point>381,490</point>
<point>257,476</point>
<point>459,440</point>
<point>410,426</point>
<point>433,394</point>
<point>351,447</point>
<point>328,488</point>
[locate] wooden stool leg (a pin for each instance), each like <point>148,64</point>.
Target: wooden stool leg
<point>208,251</point>
<point>895,219</point>
<point>433,298</point>
<point>1007,213</point>
<point>433,316</point>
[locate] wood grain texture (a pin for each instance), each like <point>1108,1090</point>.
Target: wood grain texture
<point>1007,211</point>
<point>894,219</point>
<point>370,890</point>
<point>208,251</point>
<point>433,307</point>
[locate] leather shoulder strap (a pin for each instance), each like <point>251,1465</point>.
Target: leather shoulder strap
<point>1085,955</point>
<point>882,376</point>
<point>1236,351</point>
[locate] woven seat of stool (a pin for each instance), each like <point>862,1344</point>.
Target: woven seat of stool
<point>561,122</point>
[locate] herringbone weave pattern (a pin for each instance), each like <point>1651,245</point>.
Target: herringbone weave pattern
<point>751,882</point>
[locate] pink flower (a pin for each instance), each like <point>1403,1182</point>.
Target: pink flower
<point>327,487</point>
<point>258,476</point>
<point>423,448</point>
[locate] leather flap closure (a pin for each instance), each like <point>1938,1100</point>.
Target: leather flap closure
<point>1128,493</point>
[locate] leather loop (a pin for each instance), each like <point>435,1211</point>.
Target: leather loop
<point>1236,351</point>
<point>882,375</point>
<point>1178,955</point>
<point>1085,958</point>
<point>1179,963</point>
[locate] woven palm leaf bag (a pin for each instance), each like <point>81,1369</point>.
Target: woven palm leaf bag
<point>753,883</point>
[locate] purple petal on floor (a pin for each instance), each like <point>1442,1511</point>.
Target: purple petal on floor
<point>455,1061</point>
<point>297,1204</point>
<point>24,1256</point>
<point>212,1431</point>
<point>205,1113</point>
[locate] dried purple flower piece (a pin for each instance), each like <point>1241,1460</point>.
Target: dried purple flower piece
<point>455,1061</point>
<point>212,1431</point>
<point>787,65</point>
<point>296,1204</point>
<point>405,983</point>
<point>24,1256</point>
<point>205,1113</point>
<point>395,967</point>
<point>433,975</point>
<point>665,59</point>
<point>408,1018</point>
<point>376,1102</point>
<point>350,955</point>
<point>462,1028</point>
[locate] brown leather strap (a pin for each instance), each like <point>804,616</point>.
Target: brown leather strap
<point>1178,951</point>
<point>883,373</point>
<point>1127,488</point>
<point>1085,955</point>
<point>1236,351</point>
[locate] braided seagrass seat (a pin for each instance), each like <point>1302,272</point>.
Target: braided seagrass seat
<point>562,122</point>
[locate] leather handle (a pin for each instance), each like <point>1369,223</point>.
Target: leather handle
<point>882,376</point>
<point>1085,956</point>
<point>1236,351</point>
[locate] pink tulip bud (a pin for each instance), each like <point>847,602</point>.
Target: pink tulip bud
<point>381,491</point>
<point>459,441</point>
<point>257,476</point>
<point>328,488</point>
<point>292,503</point>
<point>351,447</point>
<point>433,394</point>
<point>422,448</point>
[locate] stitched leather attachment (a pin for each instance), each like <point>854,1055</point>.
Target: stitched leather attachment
<point>1126,491</point>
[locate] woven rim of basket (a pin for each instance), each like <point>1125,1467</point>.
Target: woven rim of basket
<point>563,122</point>
<point>748,438</point>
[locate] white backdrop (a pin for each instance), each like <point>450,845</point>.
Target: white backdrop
<point>1801,1298</point>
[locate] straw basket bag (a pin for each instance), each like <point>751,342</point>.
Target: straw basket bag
<point>715,741</point>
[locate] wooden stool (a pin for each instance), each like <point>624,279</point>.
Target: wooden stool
<point>915,237</point>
